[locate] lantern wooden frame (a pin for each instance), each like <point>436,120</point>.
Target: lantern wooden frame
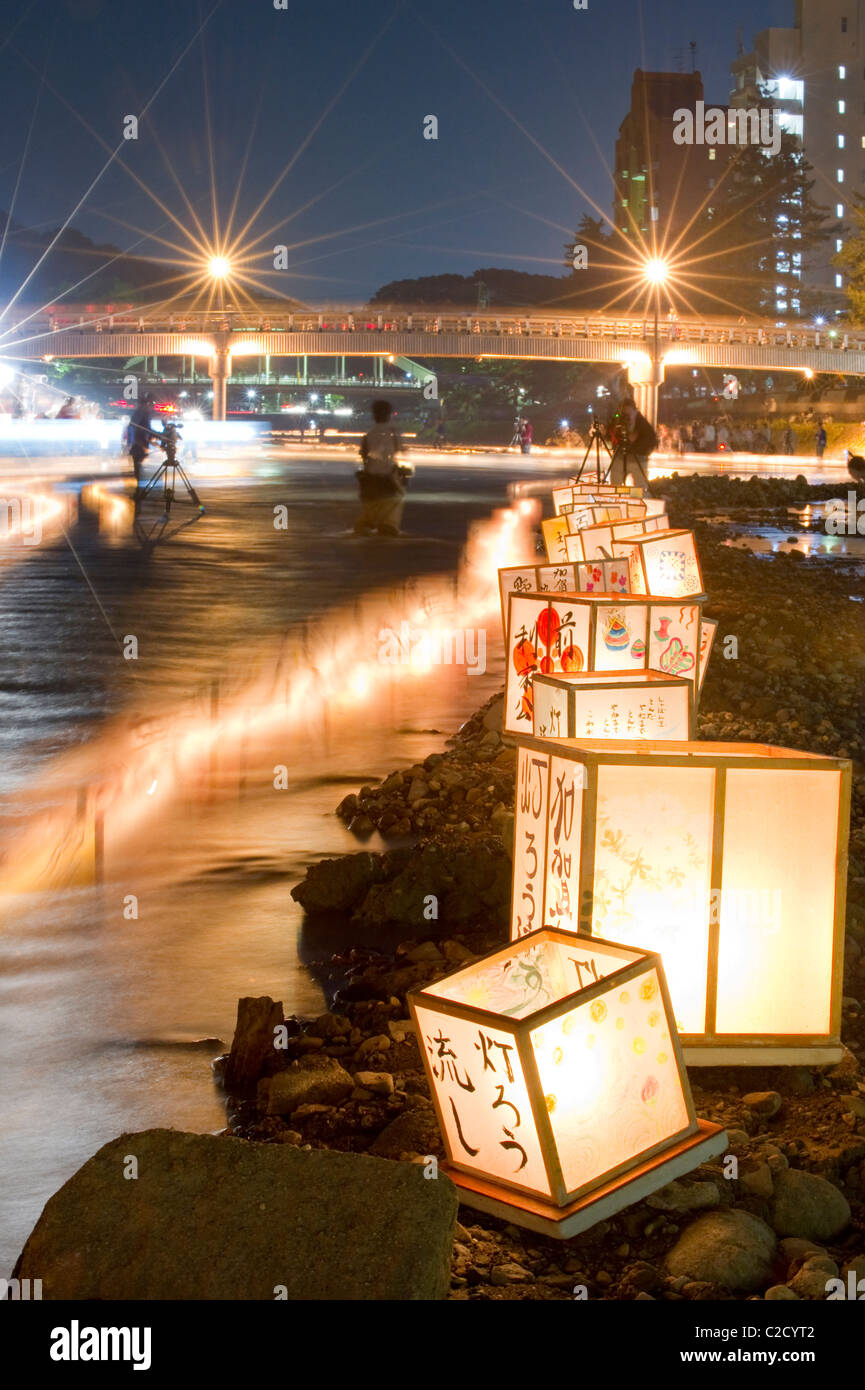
<point>555,1200</point>
<point>596,542</point>
<point>638,552</point>
<point>596,615</point>
<point>567,693</point>
<point>703,946</point>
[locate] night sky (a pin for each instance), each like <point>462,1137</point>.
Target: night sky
<point>483,194</point>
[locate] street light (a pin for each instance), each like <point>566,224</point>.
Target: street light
<point>219,269</point>
<point>656,272</point>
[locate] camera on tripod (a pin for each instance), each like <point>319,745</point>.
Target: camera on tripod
<point>169,440</point>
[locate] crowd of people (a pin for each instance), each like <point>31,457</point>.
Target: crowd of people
<point>721,434</point>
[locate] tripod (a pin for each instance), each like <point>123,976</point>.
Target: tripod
<point>168,470</point>
<point>597,437</point>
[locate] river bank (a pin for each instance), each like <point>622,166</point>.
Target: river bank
<point>352,1079</point>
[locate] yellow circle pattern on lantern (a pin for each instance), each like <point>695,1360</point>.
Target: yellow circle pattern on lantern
<point>648,989</point>
<point>620,1023</point>
<point>624,997</point>
<point>569,1024</point>
<point>550,1103</point>
<point>558,1057</point>
<point>639,1045</point>
<point>662,1057</point>
<point>598,1011</point>
<point>654,1020</point>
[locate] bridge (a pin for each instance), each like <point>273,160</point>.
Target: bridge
<point>645,349</point>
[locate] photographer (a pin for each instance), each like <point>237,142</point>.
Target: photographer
<point>139,435</point>
<point>637,441</point>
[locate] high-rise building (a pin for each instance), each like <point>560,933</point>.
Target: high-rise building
<point>814,74</point>
<point>660,185</point>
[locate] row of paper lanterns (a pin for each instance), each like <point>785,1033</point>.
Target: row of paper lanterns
<point>673,901</point>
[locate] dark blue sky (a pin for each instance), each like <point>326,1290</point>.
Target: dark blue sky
<point>483,194</point>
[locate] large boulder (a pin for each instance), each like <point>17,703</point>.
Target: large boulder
<point>337,885</point>
<point>729,1247</point>
<point>219,1218</point>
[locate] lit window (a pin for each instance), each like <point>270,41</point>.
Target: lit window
<point>842,108</point>
<point>839,245</point>
<point>840,175</point>
<point>713,153</point>
<point>841,142</point>
<point>863,142</point>
<point>838,282</point>
<point>839,209</point>
<point>842,72</point>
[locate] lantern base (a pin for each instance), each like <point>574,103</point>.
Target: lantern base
<point>563,1222</point>
<point>768,1054</point>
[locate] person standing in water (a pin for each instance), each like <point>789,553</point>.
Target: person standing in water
<point>381,479</point>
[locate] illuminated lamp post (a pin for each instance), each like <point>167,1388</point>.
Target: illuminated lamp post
<point>656,273</point>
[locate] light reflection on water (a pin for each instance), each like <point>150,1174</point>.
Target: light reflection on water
<point>100,1008</point>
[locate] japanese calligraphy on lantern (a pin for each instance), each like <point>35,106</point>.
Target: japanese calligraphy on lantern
<point>668,846</point>
<point>553,1065</point>
<point>613,705</point>
<point>554,530</point>
<point>535,579</point>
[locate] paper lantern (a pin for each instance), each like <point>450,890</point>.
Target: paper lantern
<point>728,859</point>
<point>595,632</point>
<point>601,577</point>
<point>613,705</point>
<point>664,563</point>
<point>596,542</point>
<point>558,1081</point>
<point>594,513</point>
<point>554,530</point>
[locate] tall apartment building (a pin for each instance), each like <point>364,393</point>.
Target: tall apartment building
<point>814,74</point>
<point>660,185</point>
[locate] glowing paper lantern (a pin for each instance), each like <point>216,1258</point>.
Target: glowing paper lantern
<point>603,576</point>
<point>663,563</point>
<point>555,530</point>
<point>613,705</point>
<point>594,632</point>
<point>729,859</point>
<point>596,542</point>
<point>558,1081</point>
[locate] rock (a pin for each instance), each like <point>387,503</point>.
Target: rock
<point>415,1131</point>
<point>426,951</point>
<point>766,1103</point>
<point>779,1293</point>
<point>855,1104</point>
<point>756,1180</point>
<point>804,1204</point>
<point>510,1274</point>
<point>502,824</point>
<point>400,1028</point>
<point>337,885</point>
<point>728,1247</point>
<point>312,1080</point>
<point>253,1040</point>
<point>493,716</point>
<point>456,954</point>
<point>737,1139</point>
<point>795,1251</point>
<point>379,1083</point>
<point>685,1196</point>
<point>812,1278</point>
<point>418,790</point>
<point>221,1219</point>
<point>371,1046</point>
